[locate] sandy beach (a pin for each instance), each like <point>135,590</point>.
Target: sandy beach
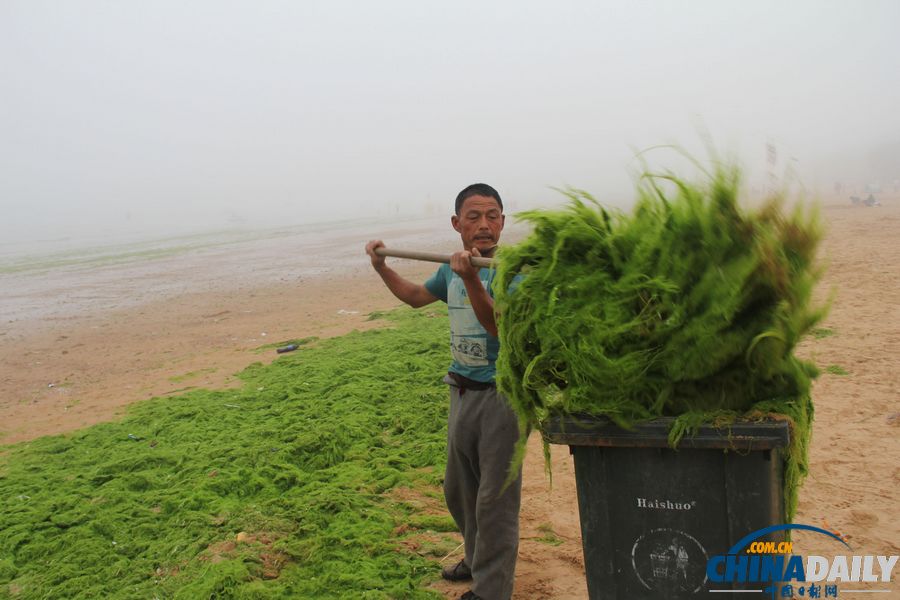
<point>82,336</point>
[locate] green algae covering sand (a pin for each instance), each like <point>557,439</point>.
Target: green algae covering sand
<point>318,463</point>
<point>690,306</point>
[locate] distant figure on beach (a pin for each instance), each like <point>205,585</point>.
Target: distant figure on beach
<point>482,428</point>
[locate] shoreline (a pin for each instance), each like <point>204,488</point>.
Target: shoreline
<point>93,280</point>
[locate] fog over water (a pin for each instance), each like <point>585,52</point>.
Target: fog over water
<point>164,117</point>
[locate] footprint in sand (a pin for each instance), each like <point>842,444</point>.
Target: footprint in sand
<point>861,518</point>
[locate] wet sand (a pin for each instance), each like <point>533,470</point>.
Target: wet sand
<point>80,342</point>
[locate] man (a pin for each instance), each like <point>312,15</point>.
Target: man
<point>482,429</point>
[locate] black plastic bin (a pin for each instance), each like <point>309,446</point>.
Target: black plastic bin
<point>652,516</point>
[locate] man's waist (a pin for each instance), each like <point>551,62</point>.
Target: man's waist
<point>470,384</point>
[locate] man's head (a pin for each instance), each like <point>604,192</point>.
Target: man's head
<point>479,217</point>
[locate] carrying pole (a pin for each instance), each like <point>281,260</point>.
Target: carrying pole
<point>477,261</point>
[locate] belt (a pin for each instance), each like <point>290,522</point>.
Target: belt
<point>464,383</point>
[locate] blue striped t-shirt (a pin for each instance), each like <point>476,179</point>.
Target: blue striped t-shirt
<point>474,349</point>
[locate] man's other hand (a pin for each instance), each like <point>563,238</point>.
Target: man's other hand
<point>461,264</point>
<point>377,261</point>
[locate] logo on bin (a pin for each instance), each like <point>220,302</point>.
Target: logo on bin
<point>665,504</point>
<point>773,564</point>
<point>669,560</point>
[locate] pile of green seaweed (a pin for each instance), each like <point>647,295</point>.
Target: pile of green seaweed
<point>326,460</point>
<point>689,306</point>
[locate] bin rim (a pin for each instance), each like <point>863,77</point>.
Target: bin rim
<point>740,435</point>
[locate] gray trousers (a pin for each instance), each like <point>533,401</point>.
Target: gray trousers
<point>481,436</point>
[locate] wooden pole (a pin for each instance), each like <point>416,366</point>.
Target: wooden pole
<point>477,261</point>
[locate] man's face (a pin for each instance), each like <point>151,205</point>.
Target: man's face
<point>479,223</point>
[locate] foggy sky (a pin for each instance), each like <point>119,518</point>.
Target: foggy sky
<point>196,115</point>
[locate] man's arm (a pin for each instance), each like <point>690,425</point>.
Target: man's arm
<point>414,294</point>
<point>482,303</point>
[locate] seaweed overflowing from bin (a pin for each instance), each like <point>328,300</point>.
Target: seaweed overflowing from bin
<point>690,306</point>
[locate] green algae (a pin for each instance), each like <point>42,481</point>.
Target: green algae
<point>301,458</point>
<point>548,536</point>
<point>821,333</point>
<point>192,375</point>
<point>690,306</point>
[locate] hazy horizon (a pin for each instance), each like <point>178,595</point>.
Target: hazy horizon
<point>171,117</point>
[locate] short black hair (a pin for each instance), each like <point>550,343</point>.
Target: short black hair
<point>477,189</point>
